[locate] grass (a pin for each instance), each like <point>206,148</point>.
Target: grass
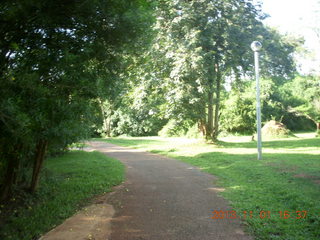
<point>287,179</point>
<point>67,183</point>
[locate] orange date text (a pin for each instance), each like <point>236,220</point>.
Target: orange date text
<point>266,214</point>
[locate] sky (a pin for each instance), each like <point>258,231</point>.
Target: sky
<point>297,17</point>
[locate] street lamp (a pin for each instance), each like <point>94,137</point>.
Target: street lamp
<point>256,47</point>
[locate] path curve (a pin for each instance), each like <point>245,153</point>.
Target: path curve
<point>165,199</point>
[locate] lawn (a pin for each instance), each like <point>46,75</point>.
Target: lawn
<point>67,183</point>
<point>276,198</point>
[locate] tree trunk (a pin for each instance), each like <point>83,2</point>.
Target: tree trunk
<point>109,128</point>
<point>209,125</point>
<point>202,126</point>
<point>11,173</point>
<point>38,162</point>
<point>106,125</point>
<point>215,131</point>
<point>318,129</point>
<point>9,179</point>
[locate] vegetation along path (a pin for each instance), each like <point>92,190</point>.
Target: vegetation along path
<point>163,198</point>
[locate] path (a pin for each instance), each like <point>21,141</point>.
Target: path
<point>165,199</point>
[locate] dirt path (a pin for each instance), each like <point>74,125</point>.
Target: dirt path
<point>91,223</point>
<point>165,199</point>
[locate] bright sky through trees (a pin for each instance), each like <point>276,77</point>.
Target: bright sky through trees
<point>299,18</point>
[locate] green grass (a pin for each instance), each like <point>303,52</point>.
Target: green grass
<point>287,179</point>
<point>67,183</point>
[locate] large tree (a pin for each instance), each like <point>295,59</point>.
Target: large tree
<point>203,43</point>
<point>55,58</point>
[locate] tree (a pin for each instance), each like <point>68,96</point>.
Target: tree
<point>277,55</point>
<point>239,107</point>
<point>203,43</point>
<point>305,92</point>
<point>55,58</point>
<point>130,106</point>
<point>198,46</point>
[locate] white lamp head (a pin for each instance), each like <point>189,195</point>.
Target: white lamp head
<point>256,46</point>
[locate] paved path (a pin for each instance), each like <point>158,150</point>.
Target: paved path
<point>165,199</point>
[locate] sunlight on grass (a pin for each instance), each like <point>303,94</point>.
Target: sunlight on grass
<point>236,139</point>
<point>287,179</point>
<point>192,148</point>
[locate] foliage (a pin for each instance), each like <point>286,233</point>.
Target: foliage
<point>277,55</point>
<point>198,40</point>
<point>174,128</point>
<point>195,47</point>
<point>239,112</point>
<point>239,108</point>
<point>138,111</point>
<point>131,105</point>
<point>286,179</point>
<point>305,100</point>
<point>181,66</point>
<point>56,60</point>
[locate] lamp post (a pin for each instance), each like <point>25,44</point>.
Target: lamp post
<point>256,47</point>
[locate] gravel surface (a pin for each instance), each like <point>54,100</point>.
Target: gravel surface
<point>165,199</point>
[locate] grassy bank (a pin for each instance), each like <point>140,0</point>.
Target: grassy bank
<point>277,198</point>
<point>67,183</point>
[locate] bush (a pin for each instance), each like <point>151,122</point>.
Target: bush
<point>175,128</point>
<point>171,129</point>
<point>275,129</point>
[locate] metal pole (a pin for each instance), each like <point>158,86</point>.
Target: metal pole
<point>259,144</point>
